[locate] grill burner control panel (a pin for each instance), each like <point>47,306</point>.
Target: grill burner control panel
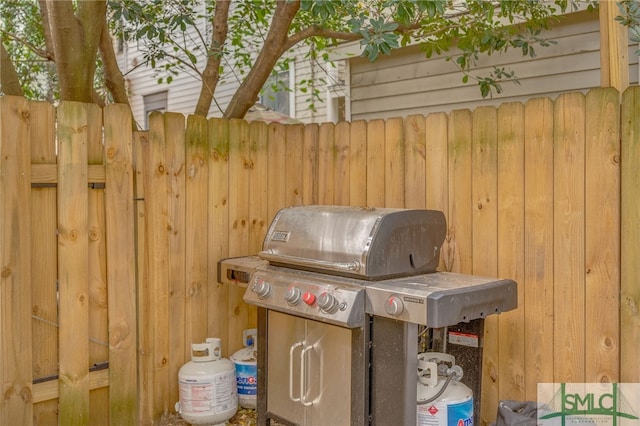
<point>336,300</point>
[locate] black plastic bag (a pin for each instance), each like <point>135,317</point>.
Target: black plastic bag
<point>517,413</point>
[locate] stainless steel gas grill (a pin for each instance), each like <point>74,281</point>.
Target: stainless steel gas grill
<point>347,297</point>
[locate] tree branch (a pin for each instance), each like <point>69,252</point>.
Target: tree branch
<point>273,48</point>
<point>40,52</point>
<point>9,81</point>
<point>46,26</point>
<point>113,78</point>
<point>317,31</point>
<point>211,72</point>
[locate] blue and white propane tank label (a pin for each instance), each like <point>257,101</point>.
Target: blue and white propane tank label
<point>444,413</point>
<point>246,375</point>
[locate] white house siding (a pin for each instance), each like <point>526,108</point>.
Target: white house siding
<point>408,83</point>
<point>182,92</point>
<point>309,70</point>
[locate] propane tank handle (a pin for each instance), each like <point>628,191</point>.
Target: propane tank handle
<point>250,337</point>
<point>440,357</point>
<point>427,371</point>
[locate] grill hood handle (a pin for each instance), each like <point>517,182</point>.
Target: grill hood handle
<point>310,263</point>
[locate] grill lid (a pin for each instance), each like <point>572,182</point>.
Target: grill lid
<point>368,243</point>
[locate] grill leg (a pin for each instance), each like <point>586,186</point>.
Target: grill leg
<point>394,364</point>
<point>261,402</point>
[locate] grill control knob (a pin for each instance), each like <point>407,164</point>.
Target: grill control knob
<point>292,296</point>
<point>308,298</point>
<point>261,288</point>
<point>328,303</point>
<point>394,306</point>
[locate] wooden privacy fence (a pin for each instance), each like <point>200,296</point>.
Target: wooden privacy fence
<point>109,240</point>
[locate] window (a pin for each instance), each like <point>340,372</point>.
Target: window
<point>276,93</point>
<point>154,102</point>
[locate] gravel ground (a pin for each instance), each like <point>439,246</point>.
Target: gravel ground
<point>244,417</point>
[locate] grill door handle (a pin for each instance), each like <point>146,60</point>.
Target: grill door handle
<point>303,370</point>
<point>311,263</point>
<point>291,351</point>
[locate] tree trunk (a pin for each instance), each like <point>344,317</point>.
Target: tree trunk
<point>211,73</point>
<point>9,82</point>
<point>75,40</point>
<point>273,48</point>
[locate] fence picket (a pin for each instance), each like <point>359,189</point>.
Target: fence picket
<point>457,248</point>
<point>326,163</point>
<point>568,190</point>
<point>218,236</point>
<point>415,159</point>
<point>15,263</point>
<point>342,163</point>
<point>537,283</point>
<point>197,204</point>
<point>310,164</point>
<point>484,193</point>
<point>156,272</point>
<point>394,163</point>
<point>98,300</point>
<point>259,187</point>
<point>602,234</point>
<point>510,171</point>
<point>630,248</point>
<point>73,273</point>
<point>375,163</point>
<point>44,263</point>
<point>241,315</point>
<point>358,164</point>
<point>120,257</point>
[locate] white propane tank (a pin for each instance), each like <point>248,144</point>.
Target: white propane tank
<point>207,386</point>
<point>246,369</point>
<point>454,405</point>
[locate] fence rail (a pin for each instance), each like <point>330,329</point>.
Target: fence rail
<point>109,239</point>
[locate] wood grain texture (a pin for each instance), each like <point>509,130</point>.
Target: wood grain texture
<point>240,313</point>
<point>537,284</point>
<point>484,193</point>
<point>358,164</point>
<point>602,236</point>
<point>630,248</point>
<point>310,140</point>
<point>342,164</point>
<point>511,252</point>
<point>569,267</point>
<point>44,261</point>
<point>157,265</point>
<point>326,163</point>
<point>196,234</point>
<point>437,174</point>
<point>394,170</point>
<point>376,163</point>
<point>218,230</point>
<point>415,194</point>
<point>73,273</point>
<point>15,263</point>
<point>457,251</point>
<point>121,267</point>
